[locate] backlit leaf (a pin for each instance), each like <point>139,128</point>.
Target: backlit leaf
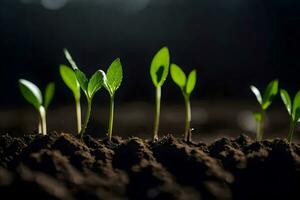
<point>270,93</point>
<point>191,81</point>
<point>256,93</point>
<point>95,83</point>
<point>286,100</point>
<point>160,63</point>
<point>178,75</point>
<point>69,78</point>
<point>31,93</point>
<point>49,94</point>
<point>114,76</point>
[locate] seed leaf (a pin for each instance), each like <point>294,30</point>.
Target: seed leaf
<point>270,93</point>
<point>160,63</point>
<point>256,93</point>
<point>31,93</point>
<point>82,80</point>
<point>191,82</point>
<point>49,93</point>
<point>69,78</point>
<point>296,106</point>
<point>95,83</point>
<point>70,59</point>
<point>286,100</point>
<point>178,75</point>
<point>257,116</point>
<point>114,76</point>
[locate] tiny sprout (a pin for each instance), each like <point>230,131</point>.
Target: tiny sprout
<point>34,96</point>
<point>112,82</point>
<point>159,71</point>
<point>292,109</point>
<point>265,101</point>
<point>186,85</point>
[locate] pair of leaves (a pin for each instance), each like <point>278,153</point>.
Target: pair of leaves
<point>69,77</point>
<point>268,96</point>
<point>33,94</point>
<point>187,85</point>
<point>293,109</point>
<point>159,68</point>
<point>114,76</point>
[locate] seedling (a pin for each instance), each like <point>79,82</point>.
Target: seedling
<point>34,96</point>
<point>159,71</point>
<point>264,101</point>
<point>112,82</point>
<point>293,110</point>
<point>186,85</point>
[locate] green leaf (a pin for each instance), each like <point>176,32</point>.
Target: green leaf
<point>286,100</point>
<point>31,93</point>
<point>296,106</point>
<point>70,59</point>
<point>69,78</point>
<point>178,75</point>
<point>114,76</point>
<point>160,67</point>
<point>82,80</point>
<point>191,82</point>
<point>49,93</point>
<point>256,93</point>
<point>95,83</point>
<point>257,116</point>
<point>270,93</point>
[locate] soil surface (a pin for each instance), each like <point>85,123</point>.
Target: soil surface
<point>60,166</point>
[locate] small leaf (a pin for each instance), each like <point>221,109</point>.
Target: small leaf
<point>256,93</point>
<point>160,60</point>
<point>286,100</point>
<point>95,83</point>
<point>82,80</point>
<point>49,93</point>
<point>114,76</point>
<point>257,116</point>
<point>70,59</point>
<point>191,82</point>
<point>270,93</point>
<point>31,93</point>
<point>296,106</point>
<point>178,75</point>
<point>69,77</point>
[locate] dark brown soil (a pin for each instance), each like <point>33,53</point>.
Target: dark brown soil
<point>60,166</point>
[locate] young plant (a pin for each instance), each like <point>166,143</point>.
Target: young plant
<point>186,85</point>
<point>159,71</point>
<point>264,101</point>
<point>112,82</point>
<point>293,110</point>
<point>69,78</point>
<point>34,96</point>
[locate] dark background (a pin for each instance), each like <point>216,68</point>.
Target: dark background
<point>232,44</point>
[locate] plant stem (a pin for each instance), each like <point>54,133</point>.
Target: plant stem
<point>87,117</point>
<point>40,125</point>
<point>291,131</point>
<point>187,132</point>
<point>157,113</point>
<point>260,126</point>
<point>111,117</point>
<point>43,120</point>
<point>78,114</point>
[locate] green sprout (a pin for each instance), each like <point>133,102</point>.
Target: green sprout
<point>34,96</point>
<point>112,82</point>
<point>69,78</point>
<point>159,71</point>
<point>186,85</point>
<point>265,101</point>
<point>293,110</point>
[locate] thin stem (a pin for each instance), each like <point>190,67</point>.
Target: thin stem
<point>291,131</point>
<point>87,117</point>
<point>40,126</point>
<point>78,114</point>
<point>111,117</point>
<point>187,133</point>
<point>157,113</point>
<point>261,126</point>
<point>43,120</point>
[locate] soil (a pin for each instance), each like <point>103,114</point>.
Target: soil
<point>60,166</point>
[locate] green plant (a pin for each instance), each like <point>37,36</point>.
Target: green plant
<point>293,110</point>
<point>159,70</point>
<point>187,85</point>
<point>69,78</point>
<point>112,82</point>
<point>34,96</point>
<point>264,101</point>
